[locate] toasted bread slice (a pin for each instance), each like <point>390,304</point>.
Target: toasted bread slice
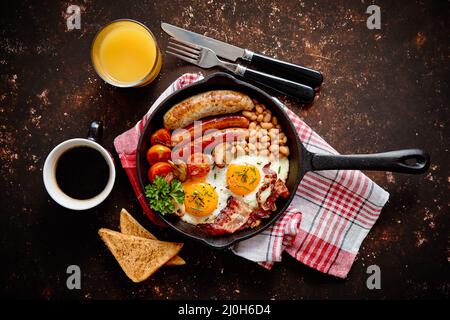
<point>138,257</point>
<point>129,225</point>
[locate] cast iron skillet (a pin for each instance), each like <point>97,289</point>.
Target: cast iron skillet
<point>301,160</point>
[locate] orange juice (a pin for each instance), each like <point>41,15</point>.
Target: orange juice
<point>125,54</point>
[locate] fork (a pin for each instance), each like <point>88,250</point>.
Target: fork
<point>207,58</point>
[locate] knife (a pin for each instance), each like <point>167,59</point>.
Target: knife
<point>206,58</point>
<point>287,70</point>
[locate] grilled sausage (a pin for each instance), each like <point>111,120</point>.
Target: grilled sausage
<point>206,104</point>
<point>207,142</point>
<point>208,124</point>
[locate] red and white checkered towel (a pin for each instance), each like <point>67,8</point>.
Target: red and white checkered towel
<point>329,217</point>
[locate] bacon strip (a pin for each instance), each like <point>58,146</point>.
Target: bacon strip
<point>230,219</point>
<point>277,189</point>
<point>269,179</point>
<point>255,218</point>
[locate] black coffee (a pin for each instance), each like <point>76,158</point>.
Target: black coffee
<point>82,173</point>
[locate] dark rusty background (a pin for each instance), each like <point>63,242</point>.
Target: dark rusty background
<point>384,89</point>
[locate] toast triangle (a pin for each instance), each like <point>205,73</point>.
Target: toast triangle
<point>138,257</point>
<point>130,226</point>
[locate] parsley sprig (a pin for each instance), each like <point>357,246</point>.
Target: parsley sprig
<point>161,195</point>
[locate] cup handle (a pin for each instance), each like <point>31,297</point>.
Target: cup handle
<point>95,132</point>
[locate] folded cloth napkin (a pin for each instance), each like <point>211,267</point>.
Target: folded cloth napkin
<point>329,217</point>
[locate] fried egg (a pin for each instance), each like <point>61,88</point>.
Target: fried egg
<point>241,178</point>
<point>200,201</point>
<point>248,162</point>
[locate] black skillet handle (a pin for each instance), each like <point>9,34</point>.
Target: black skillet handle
<point>406,161</point>
<point>287,70</point>
<point>304,93</point>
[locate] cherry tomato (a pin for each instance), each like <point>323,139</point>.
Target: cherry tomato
<point>198,165</point>
<point>158,153</point>
<point>159,169</point>
<point>161,136</point>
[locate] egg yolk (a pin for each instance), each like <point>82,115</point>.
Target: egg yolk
<point>242,179</point>
<point>200,198</point>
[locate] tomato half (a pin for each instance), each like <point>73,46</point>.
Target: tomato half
<point>198,165</point>
<point>161,136</point>
<point>158,153</point>
<point>159,169</point>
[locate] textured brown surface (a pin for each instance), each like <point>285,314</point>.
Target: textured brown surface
<point>383,90</point>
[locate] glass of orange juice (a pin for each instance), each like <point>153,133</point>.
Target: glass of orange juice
<point>125,54</point>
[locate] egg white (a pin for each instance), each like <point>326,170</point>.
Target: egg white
<point>217,177</point>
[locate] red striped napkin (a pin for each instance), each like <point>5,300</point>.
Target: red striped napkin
<point>331,214</point>
<point>126,144</point>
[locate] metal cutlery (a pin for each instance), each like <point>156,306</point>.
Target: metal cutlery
<point>206,58</point>
<point>287,70</point>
